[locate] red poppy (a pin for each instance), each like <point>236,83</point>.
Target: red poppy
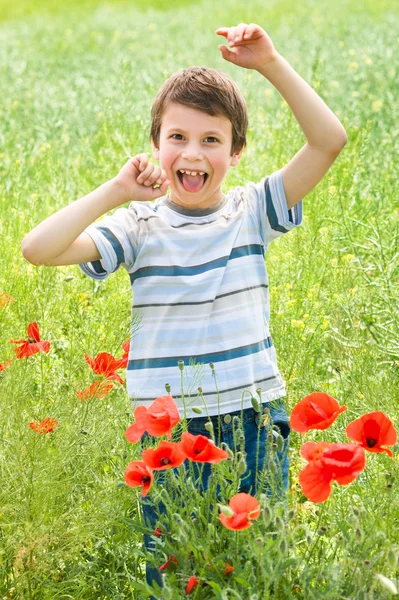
<point>5,365</point>
<point>32,345</point>
<point>313,450</point>
<point>192,582</point>
<point>245,507</point>
<point>167,456</point>
<point>338,462</point>
<point>105,364</point>
<point>372,431</point>
<point>158,419</point>
<point>166,565</point>
<point>158,532</point>
<point>5,299</point>
<point>228,569</point>
<point>138,473</point>
<point>45,426</point>
<point>98,389</point>
<point>316,411</point>
<point>199,448</point>
<point>125,357</point>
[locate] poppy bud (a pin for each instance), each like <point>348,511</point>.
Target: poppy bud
<point>181,365</point>
<point>209,426</point>
<point>259,540</point>
<point>236,420</point>
<point>272,467</point>
<point>267,515</point>
<point>237,434</point>
<point>279,523</point>
<point>197,410</point>
<point>280,443</point>
<point>200,390</point>
<point>291,514</point>
<point>255,404</point>
<point>212,366</point>
<point>242,467</point>
<point>275,447</point>
<point>226,510</point>
<point>167,387</point>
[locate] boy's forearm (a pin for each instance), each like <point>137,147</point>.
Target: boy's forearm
<point>319,124</point>
<point>54,236</point>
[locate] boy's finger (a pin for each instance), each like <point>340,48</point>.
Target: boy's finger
<point>222,31</point>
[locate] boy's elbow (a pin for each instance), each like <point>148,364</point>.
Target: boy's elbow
<point>27,253</point>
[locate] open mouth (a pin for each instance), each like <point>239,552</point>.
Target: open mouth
<point>191,183</point>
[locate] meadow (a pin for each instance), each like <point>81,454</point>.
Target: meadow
<point>76,87</point>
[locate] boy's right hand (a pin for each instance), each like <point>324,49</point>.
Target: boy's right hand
<point>138,177</point>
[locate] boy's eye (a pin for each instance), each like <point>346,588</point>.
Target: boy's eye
<point>208,138</point>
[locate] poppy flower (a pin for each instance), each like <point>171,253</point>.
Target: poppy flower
<point>245,507</point>
<point>98,389</point>
<point>4,366</point>
<point>167,456</point>
<point>158,419</point>
<point>313,450</point>
<point>192,582</point>
<point>45,426</point>
<point>5,299</point>
<point>105,364</point>
<point>138,473</point>
<point>316,411</point>
<point>372,431</point>
<point>125,357</point>
<point>166,565</point>
<point>158,532</point>
<point>228,569</point>
<point>199,448</point>
<point>32,345</point>
<point>338,462</point>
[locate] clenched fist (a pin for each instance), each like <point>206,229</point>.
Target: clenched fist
<point>141,181</point>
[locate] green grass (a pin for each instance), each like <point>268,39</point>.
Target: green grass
<point>76,86</point>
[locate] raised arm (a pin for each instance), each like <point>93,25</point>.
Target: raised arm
<point>252,48</point>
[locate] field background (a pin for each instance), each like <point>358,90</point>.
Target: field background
<point>77,80</point>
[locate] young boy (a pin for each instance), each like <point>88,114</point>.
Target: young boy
<point>195,257</point>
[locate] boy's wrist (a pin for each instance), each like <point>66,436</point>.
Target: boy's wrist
<point>118,193</point>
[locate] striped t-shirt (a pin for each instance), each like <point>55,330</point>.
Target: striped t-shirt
<point>200,286</point>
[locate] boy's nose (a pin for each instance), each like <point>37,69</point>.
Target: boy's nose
<point>192,155</point>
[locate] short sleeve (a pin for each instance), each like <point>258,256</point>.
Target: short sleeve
<point>116,237</point>
<point>268,202</point>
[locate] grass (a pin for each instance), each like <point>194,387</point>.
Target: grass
<point>77,82</point>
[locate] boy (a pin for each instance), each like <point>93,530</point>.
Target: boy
<point>196,256</point>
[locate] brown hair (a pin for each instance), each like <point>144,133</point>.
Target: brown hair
<point>208,90</point>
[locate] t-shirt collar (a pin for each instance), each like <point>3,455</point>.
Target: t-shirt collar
<point>191,212</point>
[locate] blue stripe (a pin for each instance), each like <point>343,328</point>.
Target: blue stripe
<point>175,271</point>
<point>157,363</point>
<point>97,267</point>
<point>115,243</point>
<point>271,212</point>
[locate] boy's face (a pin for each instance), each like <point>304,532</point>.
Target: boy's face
<point>195,141</point>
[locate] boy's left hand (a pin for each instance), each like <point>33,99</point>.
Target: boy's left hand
<point>253,48</point>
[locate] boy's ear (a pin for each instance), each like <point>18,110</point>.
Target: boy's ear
<point>155,150</point>
<point>235,159</point>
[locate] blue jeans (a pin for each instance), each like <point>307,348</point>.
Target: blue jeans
<point>276,415</point>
